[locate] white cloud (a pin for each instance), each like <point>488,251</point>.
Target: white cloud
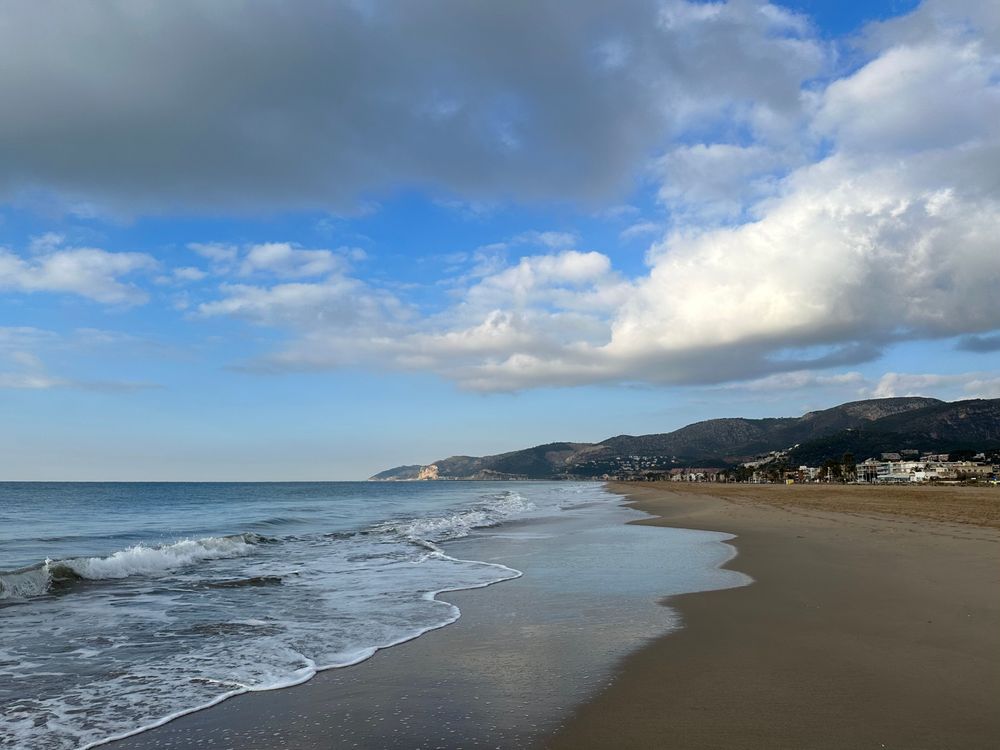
<point>286,260</point>
<point>853,252</point>
<point>955,385</point>
<point>935,94</point>
<point>708,183</point>
<point>539,304</point>
<point>45,243</point>
<point>799,379</point>
<point>984,387</point>
<point>339,302</point>
<point>89,272</point>
<point>189,273</point>
<point>219,253</point>
<point>569,268</point>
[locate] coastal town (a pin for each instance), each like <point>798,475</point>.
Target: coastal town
<point>903,467</point>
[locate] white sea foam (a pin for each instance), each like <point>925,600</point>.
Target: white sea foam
<point>142,560</point>
<point>461,523</point>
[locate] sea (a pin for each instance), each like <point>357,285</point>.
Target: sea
<point>125,605</point>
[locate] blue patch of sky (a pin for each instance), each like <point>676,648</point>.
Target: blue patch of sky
<point>838,18</point>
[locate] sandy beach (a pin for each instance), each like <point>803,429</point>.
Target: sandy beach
<point>874,622</point>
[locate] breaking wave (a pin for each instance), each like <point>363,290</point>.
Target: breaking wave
<point>54,576</point>
<point>58,575</point>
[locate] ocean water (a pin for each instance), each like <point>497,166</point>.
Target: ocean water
<point>124,605</point>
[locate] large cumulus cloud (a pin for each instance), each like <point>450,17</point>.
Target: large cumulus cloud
<point>890,235</point>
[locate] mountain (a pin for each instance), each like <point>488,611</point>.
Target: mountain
<point>938,427</point>
<point>862,427</point>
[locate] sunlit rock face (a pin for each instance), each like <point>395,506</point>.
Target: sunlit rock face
<point>428,472</point>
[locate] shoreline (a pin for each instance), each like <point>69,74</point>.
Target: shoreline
<point>861,629</point>
<point>516,663</point>
<point>864,628</point>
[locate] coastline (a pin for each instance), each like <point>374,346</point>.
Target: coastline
<point>864,628</point>
<point>521,657</point>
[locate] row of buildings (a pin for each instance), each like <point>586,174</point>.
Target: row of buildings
<point>890,468</point>
<point>931,470</point>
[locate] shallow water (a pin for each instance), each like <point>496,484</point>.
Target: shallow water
<point>164,598</point>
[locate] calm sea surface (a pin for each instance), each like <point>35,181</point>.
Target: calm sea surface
<point>123,605</point>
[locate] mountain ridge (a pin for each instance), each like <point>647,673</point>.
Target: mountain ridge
<point>870,424</point>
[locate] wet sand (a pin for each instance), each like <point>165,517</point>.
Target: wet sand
<point>874,622</point>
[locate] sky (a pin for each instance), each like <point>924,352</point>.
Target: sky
<point>314,240</point>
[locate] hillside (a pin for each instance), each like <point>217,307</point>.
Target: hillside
<point>938,427</point>
<point>861,427</point>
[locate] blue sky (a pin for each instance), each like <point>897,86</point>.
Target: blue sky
<point>330,238</point>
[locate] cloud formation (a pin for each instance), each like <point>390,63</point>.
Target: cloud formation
<point>85,271</point>
<point>275,107</point>
<point>811,216</point>
<point>889,235</point>
<point>958,385</point>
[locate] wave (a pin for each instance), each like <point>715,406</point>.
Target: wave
<point>276,521</point>
<point>461,523</point>
<point>52,576</point>
<point>55,575</point>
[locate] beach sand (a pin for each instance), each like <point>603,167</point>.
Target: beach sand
<point>874,622</point>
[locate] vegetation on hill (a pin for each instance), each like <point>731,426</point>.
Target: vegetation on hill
<point>860,428</point>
